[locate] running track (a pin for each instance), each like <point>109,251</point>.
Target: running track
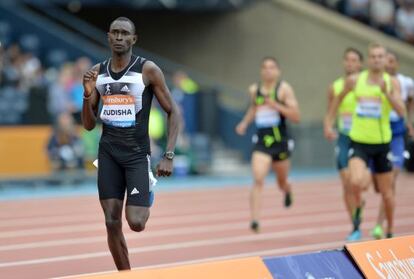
<point>66,236</point>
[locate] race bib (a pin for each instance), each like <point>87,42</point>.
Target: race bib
<point>346,119</point>
<point>267,117</point>
<point>118,110</point>
<point>369,107</point>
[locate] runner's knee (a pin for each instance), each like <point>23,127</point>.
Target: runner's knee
<point>137,222</point>
<point>259,183</point>
<point>387,194</point>
<point>113,224</point>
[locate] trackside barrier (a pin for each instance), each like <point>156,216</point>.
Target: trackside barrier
<point>249,268</point>
<point>325,264</point>
<point>388,258</point>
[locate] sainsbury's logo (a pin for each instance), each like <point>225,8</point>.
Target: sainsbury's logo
<point>118,100</point>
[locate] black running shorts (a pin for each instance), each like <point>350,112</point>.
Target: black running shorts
<point>279,151</point>
<point>377,155</point>
<point>122,168</point>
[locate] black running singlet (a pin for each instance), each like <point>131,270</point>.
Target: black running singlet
<point>269,121</point>
<point>126,104</point>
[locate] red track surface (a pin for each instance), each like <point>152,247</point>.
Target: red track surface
<point>66,236</point>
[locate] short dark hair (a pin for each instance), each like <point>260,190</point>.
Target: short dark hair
<point>393,54</point>
<point>122,18</point>
<point>354,50</point>
<point>270,58</point>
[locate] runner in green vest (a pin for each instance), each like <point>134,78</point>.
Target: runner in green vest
<point>352,64</point>
<point>376,93</point>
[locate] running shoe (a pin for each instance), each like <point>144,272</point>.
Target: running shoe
<point>254,226</point>
<point>377,232</point>
<point>354,236</point>
<point>288,199</point>
<point>357,218</point>
<point>390,235</point>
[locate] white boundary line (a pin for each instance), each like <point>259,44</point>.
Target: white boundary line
<point>208,242</point>
<point>268,222</point>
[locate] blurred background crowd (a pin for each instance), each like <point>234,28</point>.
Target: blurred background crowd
<point>393,17</point>
<point>34,91</point>
<point>46,46</point>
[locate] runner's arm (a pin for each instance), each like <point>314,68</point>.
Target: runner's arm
<point>394,96</point>
<point>90,99</point>
<point>328,121</point>
<point>290,106</point>
<point>333,110</point>
<point>155,77</point>
<point>251,111</point>
<point>410,110</point>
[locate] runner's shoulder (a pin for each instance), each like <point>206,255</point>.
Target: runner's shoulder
<point>96,67</point>
<point>284,85</point>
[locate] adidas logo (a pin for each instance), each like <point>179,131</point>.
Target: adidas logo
<point>125,89</point>
<point>134,191</point>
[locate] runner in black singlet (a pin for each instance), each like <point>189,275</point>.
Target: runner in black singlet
<point>272,102</point>
<point>125,85</point>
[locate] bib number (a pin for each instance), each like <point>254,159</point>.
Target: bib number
<point>267,117</point>
<point>369,108</point>
<point>118,110</point>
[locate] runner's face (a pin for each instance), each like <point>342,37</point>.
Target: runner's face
<point>352,63</point>
<point>376,59</point>
<point>392,64</point>
<point>121,37</point>
<point>269,71</point>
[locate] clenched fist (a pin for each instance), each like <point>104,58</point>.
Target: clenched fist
<point>89,82</point>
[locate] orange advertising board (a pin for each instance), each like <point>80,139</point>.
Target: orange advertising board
<point>248,268</point>
<point>23,150</point>
<point>386,258</point>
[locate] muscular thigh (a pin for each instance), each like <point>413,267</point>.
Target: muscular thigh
<point>137,174</point>
<point>357,171</point>
<point>111,176</point>
<point>261,163</point>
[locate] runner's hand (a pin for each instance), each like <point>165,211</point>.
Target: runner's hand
<point>241,128</point>
<point>165,167</point>
<point>349,85</point>
<point>383,86</point>
<point>330,133</point>
<point>89,82</point>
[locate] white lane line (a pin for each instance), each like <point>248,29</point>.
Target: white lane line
<point>176,231</point>
<point>267,221</point>
<point>165,208</point>
<point>216,216</point>
<point>202,243</point>
<point>200,218</point>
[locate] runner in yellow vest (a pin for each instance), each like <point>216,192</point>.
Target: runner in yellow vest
<point>376,93</point>
<point>352,64</point>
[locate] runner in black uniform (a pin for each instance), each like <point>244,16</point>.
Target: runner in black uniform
<point>271,139</point>
<point>272,102</point>
<point>126,84</point>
